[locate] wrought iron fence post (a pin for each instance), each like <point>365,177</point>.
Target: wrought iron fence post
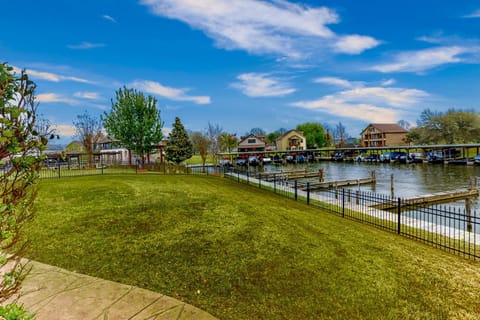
<point>101,163</point>
<point>308,192</point>
<point>399,212</point>
<point>274,184</point>
<point>343,203</point>
<point>238,175</point>
<point>260,180</point>
<point>58,168</point>
<point>296,190</point>
<point>248,176</point>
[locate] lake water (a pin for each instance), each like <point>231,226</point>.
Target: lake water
<point>409,179</point>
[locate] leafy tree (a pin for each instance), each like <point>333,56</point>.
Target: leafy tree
<point>201,143</point>
<point>314,134</point>
<point>135,121</point>
<point>179,147</point>
<point>452,127</point>
<point>227,142</point>
<point>20,147</point>
<point>272,137</point>
<point>89,130</point>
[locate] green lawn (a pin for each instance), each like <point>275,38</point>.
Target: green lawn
<point>243,253</point>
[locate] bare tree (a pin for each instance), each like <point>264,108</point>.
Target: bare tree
<point>201,143</point>
<point>213,133</point>
<point>89,130</point>
<point>340,134</point>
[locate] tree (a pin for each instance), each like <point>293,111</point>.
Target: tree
<point>201,143</point>
<point>227,142</point>
<point>404,124</point>
<point>452,127</point>
<point>340,134</point>
<point>257,132</point>
<point>179,147</point>
<point>213,133</point>
<point>89,130</point>
<point>21,146</point>
<point>135,121</point>
<point>314,134</point>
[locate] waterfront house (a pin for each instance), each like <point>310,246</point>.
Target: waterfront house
<point>252,143</point>
<point>291,140</point>
<point>383,135</point>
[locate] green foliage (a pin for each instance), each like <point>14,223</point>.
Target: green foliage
<point>179,147</point>
<point>227,142</point>
<point>21,146</point>
<point>314,134</point>
<point>135,121</point>
<point>201,143</point>
<point>15,312</point>
<point>451,127</point>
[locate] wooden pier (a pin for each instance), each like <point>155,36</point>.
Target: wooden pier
<point>341,183</point>
<point>291,175</point>
<point>440,197</point>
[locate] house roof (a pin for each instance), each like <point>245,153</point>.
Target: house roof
<point>387,127</point>
<point>300,133</point>
<point>260,142</point>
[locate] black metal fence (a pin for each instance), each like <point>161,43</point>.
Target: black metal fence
<point>450,228</point>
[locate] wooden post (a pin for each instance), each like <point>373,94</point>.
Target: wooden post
<point>374,178</point>
<point>320,175</point>
<point>357,197</point>
<point>468,213</point>
<point>392,187</point>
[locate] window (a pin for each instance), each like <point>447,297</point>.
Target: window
<point>252,140</point>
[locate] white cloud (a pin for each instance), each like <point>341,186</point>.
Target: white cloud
<point>86,46</point>
<point>109,18</point>
<point>261,85</point>
<point>388,82</point>
<point>373,104</point>
<point>169,92</point>
<point>422,60</point>
<point>52,76</point>
<point>65,130</point>
<point>87,95</point>
<point>55,98</point>
<point>355,44</point>
<point>338,82</point>
<point>257,26</point>
<point>475,14</point>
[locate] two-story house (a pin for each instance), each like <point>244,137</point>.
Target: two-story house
<point>383,135</point>
<point>291,140</point>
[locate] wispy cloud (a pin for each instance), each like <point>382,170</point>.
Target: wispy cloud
<point>55,98</point>
<point>339,82</point>
<point>373,104</point>
<point>85,46</point>
<point>169,92</point>
<point>263,27</point>
<point>422,60</point>
<point>109,18</point>
<point>355,44</point>
<point>388,82</point>
<point>49,76</point>
<point>262,85</point>
<point>65,130</point>
<point>475,14</point>
<point>87,95</point>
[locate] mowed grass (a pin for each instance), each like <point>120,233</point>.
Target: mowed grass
<point>243,253</point>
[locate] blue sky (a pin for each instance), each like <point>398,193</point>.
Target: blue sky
<point>248,63</point>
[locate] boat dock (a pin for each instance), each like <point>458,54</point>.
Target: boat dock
<point>439,197</point>
<point>290,175</point>
<point>339,184</point>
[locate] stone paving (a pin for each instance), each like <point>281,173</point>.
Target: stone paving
<point>54,293</point>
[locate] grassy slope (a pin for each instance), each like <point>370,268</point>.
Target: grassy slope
<point>244,253</point>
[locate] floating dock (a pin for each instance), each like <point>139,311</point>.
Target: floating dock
<point>339,184</point>
<point>440,197</point>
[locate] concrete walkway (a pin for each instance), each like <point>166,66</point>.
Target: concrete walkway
<point>54,293</point>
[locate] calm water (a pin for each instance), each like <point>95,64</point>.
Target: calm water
<point>409,179</point>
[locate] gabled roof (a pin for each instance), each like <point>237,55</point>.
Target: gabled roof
<point>387,127</point>
<point>260,142</point>
<point>289,132</point>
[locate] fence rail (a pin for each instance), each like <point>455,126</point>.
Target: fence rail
<point>449,228</point>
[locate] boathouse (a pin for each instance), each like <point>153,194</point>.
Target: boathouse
<point>291,140</point>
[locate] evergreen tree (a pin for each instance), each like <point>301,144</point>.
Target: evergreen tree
<point>179,147</point>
